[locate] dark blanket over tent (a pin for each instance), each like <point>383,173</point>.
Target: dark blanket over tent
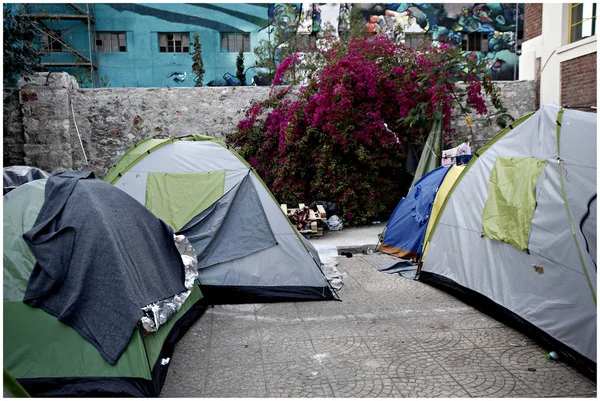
<point>101,256</point>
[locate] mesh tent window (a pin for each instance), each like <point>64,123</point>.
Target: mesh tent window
<point>511,200</point>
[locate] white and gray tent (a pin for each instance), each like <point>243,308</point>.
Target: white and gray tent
<point>518,229</point>
<point>247,249</point>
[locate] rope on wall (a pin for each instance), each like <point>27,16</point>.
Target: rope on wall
<point>78,134</point>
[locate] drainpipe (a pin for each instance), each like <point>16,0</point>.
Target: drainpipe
<point>516,42</point>
<point>90,44</point>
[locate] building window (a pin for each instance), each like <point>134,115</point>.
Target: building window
<point>475,42</point>
<point>235,42</point>
<point>111,42</point>
<point>174,42</point>
<point>582,22</point>
<point>50,44</point>
<point>415,40</point>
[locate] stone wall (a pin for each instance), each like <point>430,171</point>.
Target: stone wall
<point>112,120</point>
<point>46,106</point>
<point>519,98</point>
<point>12,129</point>
<point>106,122</point>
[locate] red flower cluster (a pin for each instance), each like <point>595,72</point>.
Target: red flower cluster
<point>344,138</point>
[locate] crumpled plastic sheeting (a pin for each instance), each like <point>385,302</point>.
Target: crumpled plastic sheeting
<point>158,313</point>
<point>329,261</point>
<point>15,176</point>
<point>334,223</point>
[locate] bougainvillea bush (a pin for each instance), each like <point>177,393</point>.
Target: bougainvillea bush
<point>343,138</point>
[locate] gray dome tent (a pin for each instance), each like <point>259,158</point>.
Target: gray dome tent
<point>247,249</point>
<point>518,230</point>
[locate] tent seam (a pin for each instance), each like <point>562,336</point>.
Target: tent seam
<point>566,202</point>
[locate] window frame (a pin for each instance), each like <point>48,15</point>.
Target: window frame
<point>471,37</point>
<point>48,42</point>
<point>174,48</point>
<point>110,41</point>
<point>420,37</point>
<point>581,21</point>
<point>245,39</point>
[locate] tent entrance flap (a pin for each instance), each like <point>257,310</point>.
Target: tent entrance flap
<point>511,200</point>
<point>176,198</point>
<point>233,227</point>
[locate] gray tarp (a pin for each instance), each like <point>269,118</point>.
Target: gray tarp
<point>15,176</point>
<point>233,227</point>
<point>101,257</point>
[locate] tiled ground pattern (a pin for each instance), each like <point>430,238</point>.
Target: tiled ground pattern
<point>389,337</point>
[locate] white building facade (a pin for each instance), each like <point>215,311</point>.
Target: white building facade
<point>560,51</point>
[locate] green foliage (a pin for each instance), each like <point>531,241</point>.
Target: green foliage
<point>104,81</point>
<point>357,25</point>
<point>239,64</point>
<point>83,75</point>
<point>285,41</point>
<point>197,62</point>
<point>22,50</point>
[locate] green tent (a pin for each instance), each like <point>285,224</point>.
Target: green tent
<point>49,358</point>
<point>431,157</point>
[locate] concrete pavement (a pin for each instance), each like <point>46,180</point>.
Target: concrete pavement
<point>389,337</point>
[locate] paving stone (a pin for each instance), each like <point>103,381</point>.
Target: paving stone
<point>466,360</point>
<point>469,318</point>
<point>235,332</point>
<point>497,337</point>
<point>236,380</point>
<point>441,340</point>
<point>382,328</point>
<point>522,357</point>
<point>390,347</point>
<point>299,379</point>
<point>438,386</point>
<point>360,388</point>
<point>279,332</point>
<point>499,383</point>
<point>236,354</point>
<point>345,368</point>
<point>558,382</point>
<point>355,347</point>
<point>350,304</point>
<point>339,327</point>
<point>390,337</point>
<point>381,285</point>
<point>286,312</point>
<point>433,322</point>
<point>296,351</point>
<point>417,364</point>
<point>186,375</point>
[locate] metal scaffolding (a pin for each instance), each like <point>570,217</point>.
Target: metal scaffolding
<point>48,16</point>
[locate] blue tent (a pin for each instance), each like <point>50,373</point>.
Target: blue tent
<point>405,231</point>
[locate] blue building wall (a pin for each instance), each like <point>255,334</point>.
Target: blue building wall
<point>143,65</point>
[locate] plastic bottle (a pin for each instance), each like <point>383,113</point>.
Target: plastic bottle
<point>552,356</point>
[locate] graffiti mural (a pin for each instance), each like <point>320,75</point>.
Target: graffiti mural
<point>486,31</point>
<point>178,76</point>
